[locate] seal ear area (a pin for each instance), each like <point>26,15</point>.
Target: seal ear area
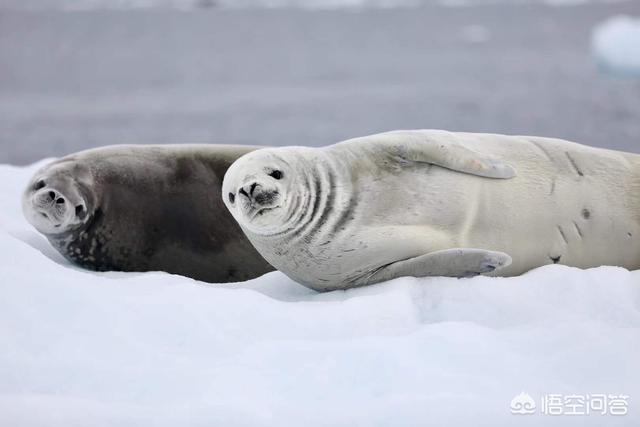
<point>450,154</point>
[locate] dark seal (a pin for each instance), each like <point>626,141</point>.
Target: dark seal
<point>144,208</point>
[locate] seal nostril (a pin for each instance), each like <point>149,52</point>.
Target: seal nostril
<point>253,187</point>
<point>232,197</point>
<point>60,201</point>
<point>52,195</point>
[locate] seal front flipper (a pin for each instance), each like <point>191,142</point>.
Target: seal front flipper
<point>460,262</point>
<point>447,150</point>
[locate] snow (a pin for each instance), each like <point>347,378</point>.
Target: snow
<point>616,45</point>
<point>157,349</point>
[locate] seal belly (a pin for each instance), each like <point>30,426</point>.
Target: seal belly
<point>569,204</point>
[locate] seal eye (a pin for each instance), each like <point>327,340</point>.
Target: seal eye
<point>232,197</point>
<point>80,211</point>
<point>40,184</point>
<point>276,174</point>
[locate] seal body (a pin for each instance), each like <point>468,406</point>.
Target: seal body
<point>421,203</point>
<point>144,208</point>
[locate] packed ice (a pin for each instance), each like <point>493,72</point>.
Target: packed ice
<point>157,349</point>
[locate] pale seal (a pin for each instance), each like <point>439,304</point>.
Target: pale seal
<point>429,202</point>
<point>144,208</point>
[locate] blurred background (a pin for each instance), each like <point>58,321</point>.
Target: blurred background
<point>84,73</point>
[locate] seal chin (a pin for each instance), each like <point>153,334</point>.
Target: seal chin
<point>253,214</point>
<point>261,219</point>
<point>263,211</point>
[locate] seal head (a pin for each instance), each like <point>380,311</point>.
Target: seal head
<point>56,202</point>
<point>259,192</point>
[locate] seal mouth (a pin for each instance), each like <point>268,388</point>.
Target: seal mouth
<point>50,211</point>
<point>262,211</point>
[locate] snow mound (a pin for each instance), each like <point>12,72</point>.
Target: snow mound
<point>156,349</point>
<point>616,45</point>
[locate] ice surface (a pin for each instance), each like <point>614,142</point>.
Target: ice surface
<point>79,348</point>
<point>616,45</point>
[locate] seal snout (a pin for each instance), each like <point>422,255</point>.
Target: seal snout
<point>49,196</point>
<point>248,190</point>
<point>256,198</point>
<point>53,208</point>
<point>51,204</point>
<point>257,194</point>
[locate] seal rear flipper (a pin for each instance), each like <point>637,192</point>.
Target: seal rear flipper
<point>460,262</point>
<point>446,149</point>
